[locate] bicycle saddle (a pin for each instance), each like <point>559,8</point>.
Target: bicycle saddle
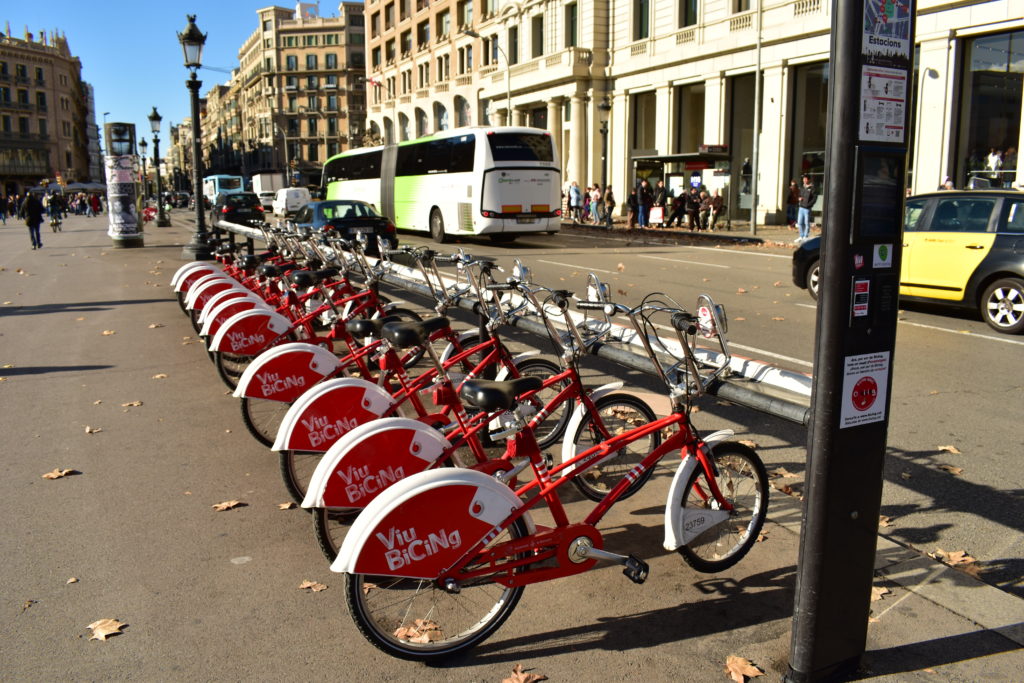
<point>269,270</point>
<point>303,279</point>
<point>490,396</point>
<point>250,262</point>
<point>405,335</point>
<point>327,273</point>
<point>361,327</point>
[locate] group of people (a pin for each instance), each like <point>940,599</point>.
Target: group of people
<point>34,209</point>
<point>697,209</point>
<point>799,203</point>
<point>592,205</point>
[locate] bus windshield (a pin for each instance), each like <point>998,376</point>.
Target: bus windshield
<point>521,147</point>
<point>230,183</point>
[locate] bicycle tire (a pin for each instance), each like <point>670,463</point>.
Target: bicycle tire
<point>742,478</point>
<point>476,610</point>
<point>296,470</point>
<point>263,417</point>
<point>330,528</point>
<point>618,412</point>
<point>552,428</point>
<point>230,366</point>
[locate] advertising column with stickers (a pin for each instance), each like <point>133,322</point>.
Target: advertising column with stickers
<point>122,169</point>
<point>872,47</point>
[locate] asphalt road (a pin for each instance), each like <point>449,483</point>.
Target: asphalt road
<point>957,383</point>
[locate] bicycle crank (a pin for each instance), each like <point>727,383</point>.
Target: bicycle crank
<point>634,569</point>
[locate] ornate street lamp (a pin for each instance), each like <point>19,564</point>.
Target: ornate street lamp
<point>143,145</point>
<point>604,110</point>
<point>192,41</point>
<point>162,221</point>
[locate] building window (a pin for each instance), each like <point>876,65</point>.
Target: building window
<point>744,6</point>
<point>406,81</point>
<point>292,103</point>
<point>332,149</point>
<point>465,12</point>
<point>314,152</point>
<point>403,10</point>
<point>268,24</point>
<point>423,34</point>
<point>571,24</point>
<point>5,123</point>
<point>645,120</point>
<point>312,102</point>
<point>465,59</point>
<point>312,82</point>
<point>332,103</point>
<point>537,36</point>
<point>513,45</point>
<point>389,51</point>
<point>291,82</point>
<point>687,13</point>
<point>375,24</point>
<point>21,73</point>
<point>991,110</point>
<point>810,120</point>
<point>332,38</point>
<point>23,97</point>
<point>291,63</point>
<point>310,41</point>
<point>406,42</point>
<point>641,19</point>
<point>332,125</point>
<point>23,125</point>
<point>689,122</point>
<point>423,75</point>
<point>375,58</point>
<point>331,61</point>
<point>42,128</point>
<point>443,65</point>
<point>311,62</point>
<point>389,15</point>
<point>41,101</point>
<point>444,23</point>
<point>40,79</point>
<point>331,81</point>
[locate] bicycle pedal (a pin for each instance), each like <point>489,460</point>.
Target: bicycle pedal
<point>636,570</point>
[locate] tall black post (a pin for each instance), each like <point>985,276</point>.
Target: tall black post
<point>162,221</point>
<point>197,249</point>
<point>870,79</point>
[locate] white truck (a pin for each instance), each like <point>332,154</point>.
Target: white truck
<point>266,185</point>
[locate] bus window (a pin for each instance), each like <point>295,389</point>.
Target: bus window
<point>521,147</point>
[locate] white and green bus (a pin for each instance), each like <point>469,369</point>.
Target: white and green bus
<point>500,182</point>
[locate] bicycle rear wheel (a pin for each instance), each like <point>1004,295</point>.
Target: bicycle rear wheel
<point>230,366</point>
<point>263,418</point>
<point>297,469</point>
<point>617,413</point>
<point>331,527</point>
<point>743,481</point>
<point>418,620</point>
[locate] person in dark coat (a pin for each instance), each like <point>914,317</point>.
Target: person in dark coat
<point>32,210</point>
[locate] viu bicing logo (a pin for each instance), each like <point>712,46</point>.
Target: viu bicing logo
<point>272,383</point>
<point>405,547</point>
<point>321,430</point>
<point>359,482</point>
<point>240,340</point>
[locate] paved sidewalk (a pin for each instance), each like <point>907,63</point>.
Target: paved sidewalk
<point>87,330</point>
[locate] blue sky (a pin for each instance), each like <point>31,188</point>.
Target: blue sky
<point>130,51</point>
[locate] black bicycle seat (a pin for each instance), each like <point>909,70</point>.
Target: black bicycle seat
<point>303,279</point>
<point>270,270</point>
<point>405,335</point>
<point>362,328</point>
<point>490,396</point>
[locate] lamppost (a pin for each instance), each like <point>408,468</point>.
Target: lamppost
<point>508,72</point>
<point>143,145</point>
<point>192,41</point>
<point>604,110</point>
<point>162,221</point>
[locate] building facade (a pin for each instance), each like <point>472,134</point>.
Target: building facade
<point>43,113</point>
<point>676,81</point>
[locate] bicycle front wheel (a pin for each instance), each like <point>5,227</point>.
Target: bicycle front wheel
<point>418,620</point>
<point>297,469</point>
<point>615,414</point>
<point>743,482</point>
<point>230,366</point>
<point>550,431</point>
<point>331,527</point>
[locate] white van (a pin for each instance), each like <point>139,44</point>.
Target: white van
<point>289,200</point>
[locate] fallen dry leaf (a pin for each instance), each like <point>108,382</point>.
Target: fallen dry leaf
<point>153,326</point>
<point>622,292</point>
<point>738,667</point>
<point>951,469</point>
<point>58,473</point>
<point>778,318</point>
<point>621,267</point>
<point>28,603</point>
<point>107,333</point>
<point>782,473</point>
<point>741,291</point>
<point>872,620</point>
<point>777,283</point>
<point>904,475</point>
<point>748,443</point>
<point>80,319</point>
<point>96,403</point>
<point>739,318</point>
<point>877,592</point>
<point>519,676</point>
<point>9,365</point>
<point>422,631</point>
<point>950,449</point>
<point>72,580</point>
<point>105,627</point>
<point>884,521</point>
<point>93,430</point>
<point>367,587</point>
<point>312,586</point>
<point>160,375</point>
<point>130,404</point>
<point>953,558</point>
<point>227,505</point>
<point>286,506</point>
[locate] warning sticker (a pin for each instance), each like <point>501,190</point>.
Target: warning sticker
<point>865,378</point>
<point>861,296</point>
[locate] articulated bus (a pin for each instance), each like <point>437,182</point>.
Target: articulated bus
<point>500,182</point>
<point>214,185</point>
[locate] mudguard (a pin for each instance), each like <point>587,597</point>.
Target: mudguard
<point>682,525</point>
<point>424,524</point>
<point>249,332</point>
<point>285,372</point>
<point>503,372</point>
<point>217,315</point>
<point>190,272</point>
<point>326,412</point>
<point>371,458</point>
<point>205,287</point>
<point>568,445</point>
<point>219,298</point>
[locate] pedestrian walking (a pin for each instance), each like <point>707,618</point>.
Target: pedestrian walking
<point>792,204</point>
<point>633,203</point>
<point>803,218</point>
<point>575,201</point>
<point>609,206</point>
<point>3,209</point>
<point>32,210</point>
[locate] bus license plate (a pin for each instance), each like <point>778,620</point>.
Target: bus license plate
<point>525,220</point>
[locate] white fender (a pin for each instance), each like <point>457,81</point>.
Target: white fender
<point>424,523</point>
<point>682,525</point>
<point>182,273</point>
<point>269,324</point>
<point>568,446</point>
<point>321,362</point>
<point>318,405</point>
<point>373,456</point>
<point>503,372</point>
<point>198,285</point>
<point>220,297</point>
<point>214,309</point>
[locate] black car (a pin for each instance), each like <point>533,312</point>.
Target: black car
<point>349,218</point>
<point>243,208</point>
<point>964,249</point>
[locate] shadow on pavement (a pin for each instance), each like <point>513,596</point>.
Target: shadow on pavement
<point>46,369</point>
<point>80,307</point>
<point>932,653</point>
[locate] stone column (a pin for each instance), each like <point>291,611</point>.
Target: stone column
<point>555,123</point>
<point>715,110</point>
<point>577,167</point>
<point>772,183</point>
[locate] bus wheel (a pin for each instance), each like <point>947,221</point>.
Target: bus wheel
<point>437,226</point>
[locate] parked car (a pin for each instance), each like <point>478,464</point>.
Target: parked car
<point>963,249</point>
<point>243,208</point>
<point>267,200</point>
<point>349,218</point>
<point>288,200</point>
